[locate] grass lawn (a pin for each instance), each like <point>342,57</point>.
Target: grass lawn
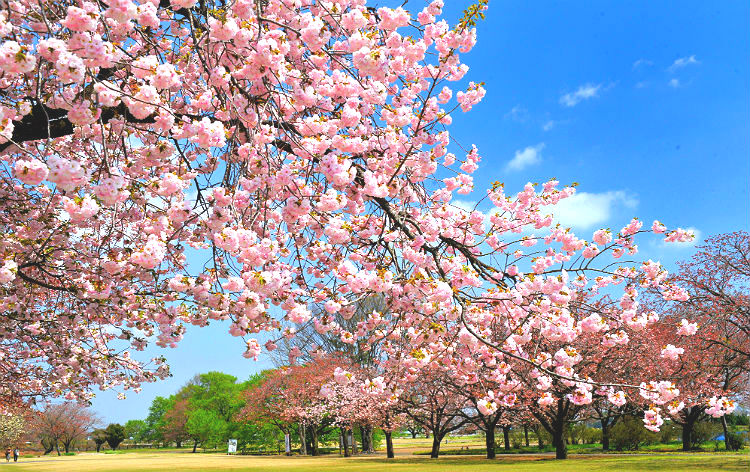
<point>171,461</point>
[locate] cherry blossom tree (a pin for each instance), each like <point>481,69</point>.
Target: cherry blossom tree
<point>166,163</point>
<point>697,372</point>
<point>433,404</point>
<point>174,428</point>
<point>717,279</point>
<point>63,424</point>
<point>290,396</point>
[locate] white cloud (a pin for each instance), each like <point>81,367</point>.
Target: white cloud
<point>518,113</point>
<point>588,210</point>
<point>641,84</point>
<point>674,83</point>
<point>526,157</point>
<point>642,62</point>
<point>549,125</point>
<point>584,92</point>
<point>683,62</point>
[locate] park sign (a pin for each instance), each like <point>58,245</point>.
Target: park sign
<point>232,446</point>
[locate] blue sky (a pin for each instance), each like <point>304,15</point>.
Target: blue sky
<point>645,104</point>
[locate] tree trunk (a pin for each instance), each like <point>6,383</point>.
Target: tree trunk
<point>389,444</point>
<point>435,446</point>
<point>345,441</point>
<point>558,440</point>
<point>526,434</point>
<point>98,447</point>
<point>506,437</point>
<point>605,435</point>
<point>687,433</point>
<point>489,440</point>
<point>370,442</point>
<point>314,440</point>
<point>354,442</point>
<point>302,440</point>
<point>179,444</point>
<point>57,447</point>
<point>363,435</point>
<point>195,445</point>
<point>48,446</point>
<point>726,431</point>
<point>413,433</point>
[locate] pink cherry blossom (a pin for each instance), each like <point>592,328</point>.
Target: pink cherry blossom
<point>31,172</point>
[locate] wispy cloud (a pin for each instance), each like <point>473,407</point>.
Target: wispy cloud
<point>549,124</point>
<point>674,83</point>
<point>683,62</point>
<point>584,92</point>
<point>526,157</point>
<point>518,113</point>
<point>585,211</point>
<point>642,63</point>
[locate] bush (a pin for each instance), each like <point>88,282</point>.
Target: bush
<point>735,441</point>
<point>517,439</point>
<point>544,436</point>
<point>737,419</point>
<point>628,434</point>
<point>668,432</point>
<point>703,431</point>
<point>590,435</point>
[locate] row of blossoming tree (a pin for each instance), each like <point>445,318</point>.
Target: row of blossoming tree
<point>339,382</point>
<point>170,163</point>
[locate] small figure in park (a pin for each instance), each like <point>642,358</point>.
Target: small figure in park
<point>7,455</point>
<point>16,453</point>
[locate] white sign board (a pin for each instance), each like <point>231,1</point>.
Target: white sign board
<point>287,444</point>
<point>232,446</point>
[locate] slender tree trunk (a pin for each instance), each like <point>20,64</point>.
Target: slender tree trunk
<point>354,442</point>
<point>435,452</point>
<point>370,442</point>
<point>413,433</point>
<point>195,445</point>
<point>526,434</point>
<point>605,435</point>
<point>363,435</point>
<point>179,444</point>
<point>489,441</point>
<point>389,444</point>
<point>539,437</point>
<point>345,441</point>
<point>314,440</point>
<point>726,431</point>
<point>98,447</point>
<point>302,440</point>
<point>57,447</point>
<point>506,437</point>
<point>66,446</point>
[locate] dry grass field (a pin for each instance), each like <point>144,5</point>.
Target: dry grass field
<point>179,461</point>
